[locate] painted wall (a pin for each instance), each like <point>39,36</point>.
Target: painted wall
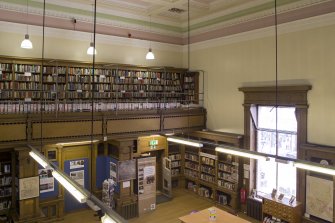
<point>306,55</point>
<point>72,45</point>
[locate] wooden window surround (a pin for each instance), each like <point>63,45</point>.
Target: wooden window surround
<point>293,96</point>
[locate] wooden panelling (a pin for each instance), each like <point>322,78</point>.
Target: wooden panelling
<point>133,125</point>
<point>184,122</point>
<point>66,129</point>
<point>143,143</point>
<point>11,132</point>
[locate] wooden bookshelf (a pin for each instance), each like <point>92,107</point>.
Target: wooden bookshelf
<point>213,175</point>
<point>7,183</point>
<point>25,81</point>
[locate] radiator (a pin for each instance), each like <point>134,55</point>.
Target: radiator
<point>129,210</point>
<point>254,208</point>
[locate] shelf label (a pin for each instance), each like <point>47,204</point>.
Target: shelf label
<point>79,91</point>
<point>141,91</point>
<point>54,74</point>
<point>27,74</point>
<point>123,91</point>
<point>139,78</point>
<point>101,91</point>
<point>102,76</point>
<point>122,77</point>
<point>27,100</point>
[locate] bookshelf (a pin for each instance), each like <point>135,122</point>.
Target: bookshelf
<point>212,175</point>
<point>54,82</point>
<point>6,182</point>
<point>67,86</point>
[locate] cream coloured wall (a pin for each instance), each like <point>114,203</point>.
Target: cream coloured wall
<point>306,55</point>
<point>72,45</point>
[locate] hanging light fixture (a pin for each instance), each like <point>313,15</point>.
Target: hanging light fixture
<point>91,49</point>
<point>150,55</point>
<point>26,43</point>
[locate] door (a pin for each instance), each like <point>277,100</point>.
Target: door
<point>167,187</point>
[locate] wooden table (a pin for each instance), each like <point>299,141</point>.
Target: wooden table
<point>203,217</point>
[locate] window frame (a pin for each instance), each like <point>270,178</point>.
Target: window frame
<point>291,96</point>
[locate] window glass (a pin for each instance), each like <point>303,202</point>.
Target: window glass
<point>270,174</point>
<point>286,118</point>
<point>266,142</point>
<point>287,179</point>
<point>287,145</point>
<point>266,176</point>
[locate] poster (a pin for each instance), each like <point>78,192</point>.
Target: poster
<point>29,187</point>
<point>319,197</point>
<point>149,174</point>
<point>112,171</point>
<point>126,170</point>
<point>75,164</point>
<point>78,176</point>
<point>47,181</point>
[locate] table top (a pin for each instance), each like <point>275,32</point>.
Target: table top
<point>203,217</point>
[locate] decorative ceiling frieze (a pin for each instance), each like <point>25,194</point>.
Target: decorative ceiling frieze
<point>209,19</point>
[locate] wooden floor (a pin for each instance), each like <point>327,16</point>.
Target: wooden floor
<point>183,203</point>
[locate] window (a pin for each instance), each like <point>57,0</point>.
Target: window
<point>271,175</point>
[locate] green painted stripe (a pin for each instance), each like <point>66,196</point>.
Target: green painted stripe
<point>76,11</point>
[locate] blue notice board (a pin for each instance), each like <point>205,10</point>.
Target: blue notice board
<point>78,170</point>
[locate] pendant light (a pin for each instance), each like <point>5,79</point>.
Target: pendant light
<point>91,49</point>
<point>150,55</point>
<point>26,43</point>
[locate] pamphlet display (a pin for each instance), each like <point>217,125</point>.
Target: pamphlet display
<point>146,173</point>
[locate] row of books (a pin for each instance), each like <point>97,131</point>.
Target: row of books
<point>207,178</point>
<point>229,177</point>
<point>205,192</point>
<point>5,76</point>
<point>27,77</point>
<point>175,163</point>
<point>175,157</point>
<point>5,168</point>
<point>5,67</point>
<point>27,68</point>
<point>6,108</point>
<point>5,181</point>
<point>208,169</point>
<point>207,161</point>
<point>52,78</point>
<point>227,167</point>
<point>5,204</point>
<point>227,185</point>
<point>191,173</point>
<point>192,165</point>
<point>54,70</point>
<point>188,79</point>
<point>7,191</point>
<point>192,157</point>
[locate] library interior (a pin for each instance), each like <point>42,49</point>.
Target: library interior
<point>146,111</point>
